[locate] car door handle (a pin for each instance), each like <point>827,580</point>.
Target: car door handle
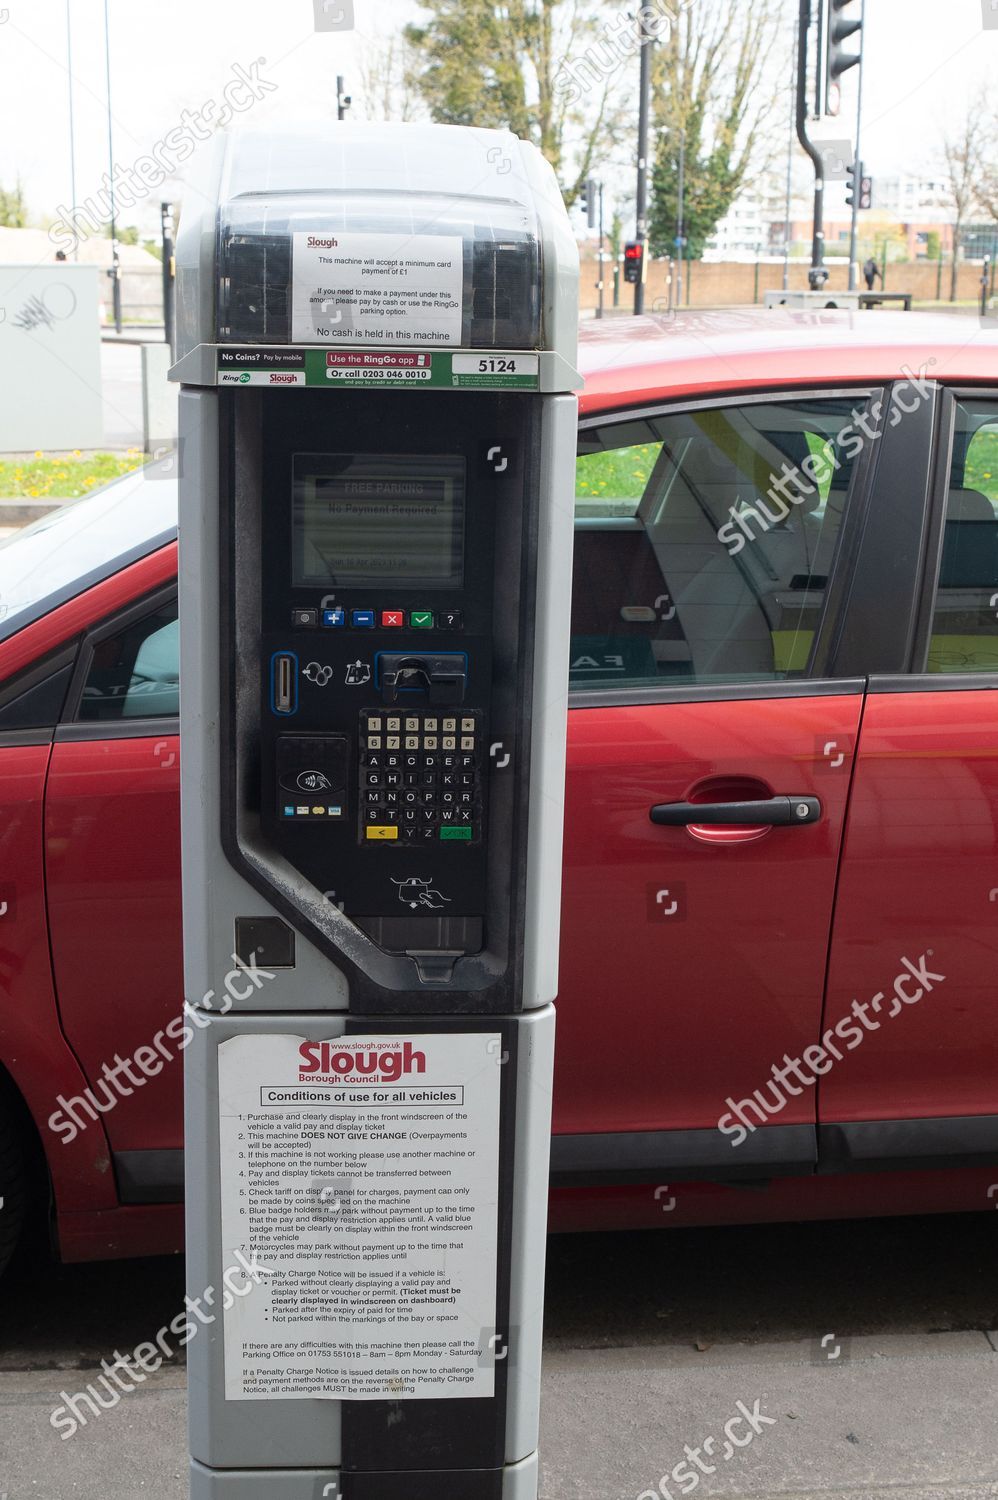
<point>777,811</point>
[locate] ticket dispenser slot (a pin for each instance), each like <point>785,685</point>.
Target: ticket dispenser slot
<point>376,340</point>
<point>439,679</point>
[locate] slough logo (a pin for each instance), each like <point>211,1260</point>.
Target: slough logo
<point>315,243</point>
<point>389,1065</point>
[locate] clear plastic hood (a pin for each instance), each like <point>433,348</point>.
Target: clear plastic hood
<point>322,240</point>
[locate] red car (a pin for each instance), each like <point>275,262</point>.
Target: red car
<point>786,594</point>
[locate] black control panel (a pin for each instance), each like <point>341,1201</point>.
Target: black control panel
<point>380,747</point>
<point>420,777</point>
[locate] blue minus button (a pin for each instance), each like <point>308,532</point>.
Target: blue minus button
<point>362,619</point>
<point>333,619</point>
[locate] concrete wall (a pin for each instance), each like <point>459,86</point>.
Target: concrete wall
<point>725,283</point>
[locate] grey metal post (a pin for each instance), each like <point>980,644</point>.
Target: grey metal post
<point>115,258</point>
<point>644,103</point>
<point>680,207</point>
<point>169,286</point>
<point>817,275</point>
<point>858,165</point>
<point>600,283</point>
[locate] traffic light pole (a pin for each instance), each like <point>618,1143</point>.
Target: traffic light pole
<point>857,175</point>
<point>817,275</point>
<point>169,284</point>
<point>644,100</point>
<point>680,218</point>
<point>601,283</point>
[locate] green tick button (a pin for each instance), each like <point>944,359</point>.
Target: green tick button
<point>455,833</point>
<point>421,619</point>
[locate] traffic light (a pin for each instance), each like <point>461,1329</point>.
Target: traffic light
<point>859,187</point>
<point>590,200</point>
<point>837,59</point>
<point>634,254</point>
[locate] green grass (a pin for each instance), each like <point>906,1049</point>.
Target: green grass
<point>620,474</point>
<point>66,478</point>
<point>982,464</point>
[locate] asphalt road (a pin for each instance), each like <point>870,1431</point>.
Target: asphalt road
<point>868,1345</point>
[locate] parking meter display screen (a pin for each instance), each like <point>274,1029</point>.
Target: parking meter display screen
<point>366,520</point>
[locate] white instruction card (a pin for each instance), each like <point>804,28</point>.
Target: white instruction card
<point>391,289</point>
<point>360,1181</point>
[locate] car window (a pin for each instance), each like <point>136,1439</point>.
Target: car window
<point>964,634</point>
<point>705,539</point>
<point>78,544</point>
<point>135,674</point>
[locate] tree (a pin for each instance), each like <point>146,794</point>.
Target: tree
<point>964,152</point>
<point>126,234</point>
<point>388,92</point>
<point>549,70</point>
<point>616,239</point>
<point>13,208</point>
<point>987,145</point>
<point>709,84</point>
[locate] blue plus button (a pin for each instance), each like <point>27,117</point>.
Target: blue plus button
<point>334,618</point>
<point>362,619</point>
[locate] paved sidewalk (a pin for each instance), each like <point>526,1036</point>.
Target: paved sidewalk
<point>909,1416</point>
<point>652,1342</point>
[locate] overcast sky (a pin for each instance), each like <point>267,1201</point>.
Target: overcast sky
<point>923,61</point>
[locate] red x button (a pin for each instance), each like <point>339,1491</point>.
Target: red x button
<point>392,619</point>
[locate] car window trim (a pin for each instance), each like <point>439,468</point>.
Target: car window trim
<point>21,619</point>
<point>20,739</point>
<point>935,533</point>
<point>843,563</point>
<point>680,404</point>
<point>934,682</point>
<point>117,729</point>
<point>105,729</point>
<point>725,692</point>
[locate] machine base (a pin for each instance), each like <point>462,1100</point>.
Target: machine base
<point>515,1482</point>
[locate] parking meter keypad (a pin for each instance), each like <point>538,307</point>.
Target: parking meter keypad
<point>420,776</point>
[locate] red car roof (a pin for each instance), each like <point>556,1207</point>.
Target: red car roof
<point>626,360</point>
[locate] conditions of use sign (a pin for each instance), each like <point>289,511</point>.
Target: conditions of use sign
<point>362,1174</point>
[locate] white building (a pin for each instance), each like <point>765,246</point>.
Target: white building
<point>756,221</point>
<point>913,199</point>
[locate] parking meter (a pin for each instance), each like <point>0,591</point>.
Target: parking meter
<point>376,345</point>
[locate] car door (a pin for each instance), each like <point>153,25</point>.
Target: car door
<point>712,552</point>
<point>915,950</point>
<point>112,854</point>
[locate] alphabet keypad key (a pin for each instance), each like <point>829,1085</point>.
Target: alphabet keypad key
<point>420,776</point>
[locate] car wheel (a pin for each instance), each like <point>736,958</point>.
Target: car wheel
<point>13,1187</point>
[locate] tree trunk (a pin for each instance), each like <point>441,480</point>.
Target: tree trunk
<point>955,267</point>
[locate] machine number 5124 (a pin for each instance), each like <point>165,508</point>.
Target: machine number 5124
<point>497,366</point>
